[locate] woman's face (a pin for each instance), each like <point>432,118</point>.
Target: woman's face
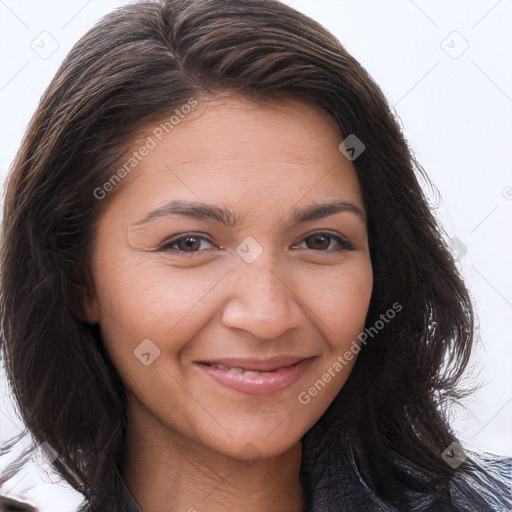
<point>226,322</point>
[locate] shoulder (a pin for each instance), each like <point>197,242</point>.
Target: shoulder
<point>7,504</point>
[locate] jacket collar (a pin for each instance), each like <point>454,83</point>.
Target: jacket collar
<point>128,501</point>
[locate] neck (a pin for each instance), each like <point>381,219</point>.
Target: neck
<point>167,472</point>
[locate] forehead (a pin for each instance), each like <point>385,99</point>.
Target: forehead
<point>232,148</point>
<point>234,127</point>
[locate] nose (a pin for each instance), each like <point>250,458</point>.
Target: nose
<point>262,301</point>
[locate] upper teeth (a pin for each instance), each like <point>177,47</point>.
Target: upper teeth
<point>236,369</point>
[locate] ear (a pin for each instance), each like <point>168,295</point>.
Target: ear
<point>91,306</point>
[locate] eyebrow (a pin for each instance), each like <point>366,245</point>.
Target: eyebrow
<point>222,215</point>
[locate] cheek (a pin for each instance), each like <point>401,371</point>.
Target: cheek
<point>148,298</point>
<point>341,302</point>
<point>343,306</point>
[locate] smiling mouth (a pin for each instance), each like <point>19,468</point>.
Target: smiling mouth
<point>257,377</point>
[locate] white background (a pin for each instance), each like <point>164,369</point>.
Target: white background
<point>456,110</point>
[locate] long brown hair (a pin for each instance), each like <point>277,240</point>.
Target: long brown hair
<point>139,64</point>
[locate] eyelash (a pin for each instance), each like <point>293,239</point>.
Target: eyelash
<point>344,245</point>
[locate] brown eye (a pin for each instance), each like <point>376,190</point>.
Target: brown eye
<point>319,242</point>
<point>322,241</point>
<point>184,244</point>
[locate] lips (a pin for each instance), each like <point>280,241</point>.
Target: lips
<point>256,376</point>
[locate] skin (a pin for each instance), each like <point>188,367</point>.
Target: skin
<point>192,443</point>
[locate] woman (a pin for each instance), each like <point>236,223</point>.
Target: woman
<point>297,352</point>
